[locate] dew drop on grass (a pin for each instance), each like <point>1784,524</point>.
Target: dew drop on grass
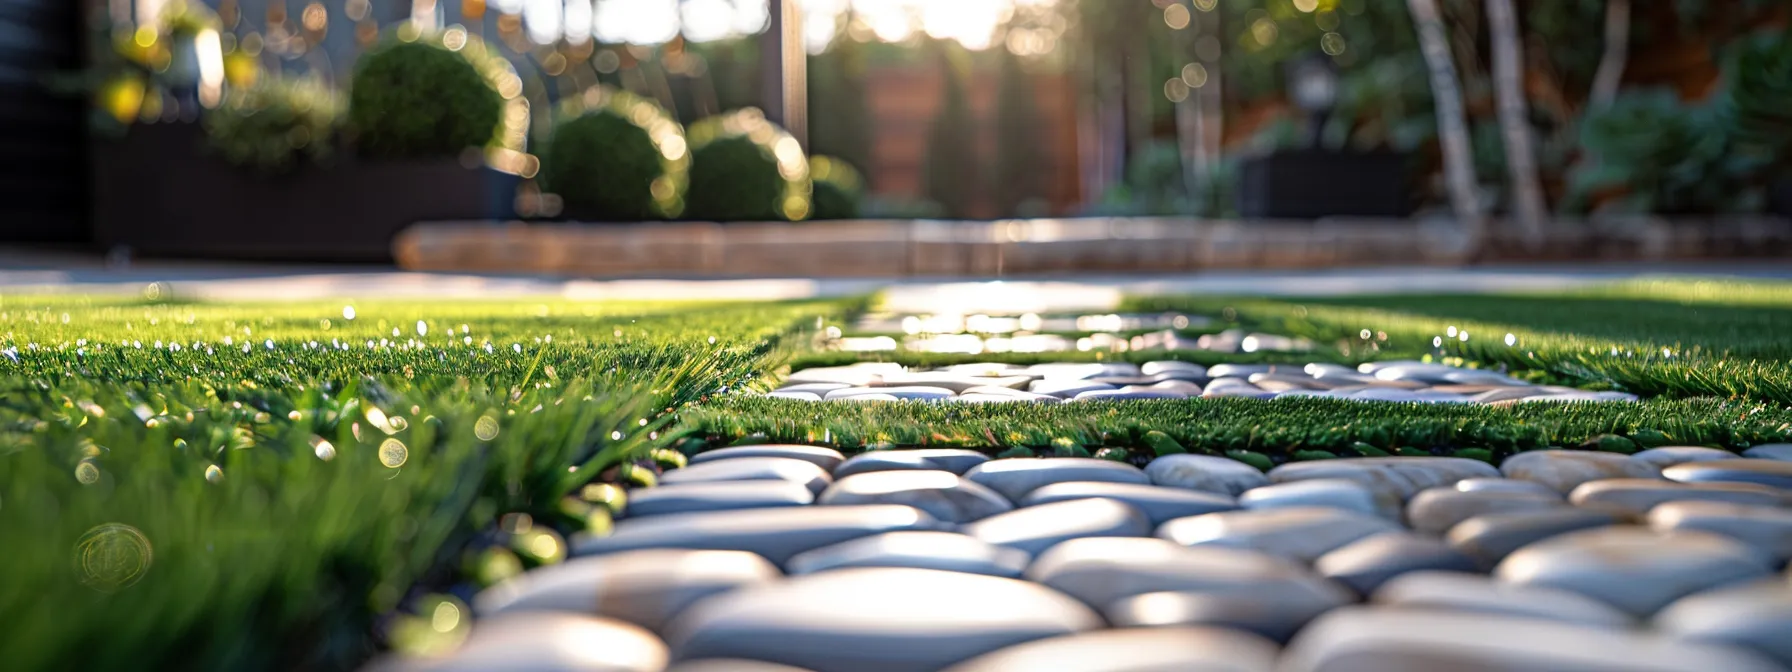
<point>1511,340</point>
<point>213,474</point>
<point>517,348</point>
<point>422,328</point>
<point>616,436</point>
<point>87,473</point>
<point>348,312</point>
<point>485,428</point>
<point>322,449</point>
<point>393,453</point>
<point>1451,331</point>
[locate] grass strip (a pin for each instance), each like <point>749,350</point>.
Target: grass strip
<point>1281,429</point>
<point>1678,349</point>
<point>208,507</point>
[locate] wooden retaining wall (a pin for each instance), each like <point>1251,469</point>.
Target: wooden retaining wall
<point>912,248</point>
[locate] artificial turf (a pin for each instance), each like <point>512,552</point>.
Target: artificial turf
<point>273,486</point>
<point>313,487</point>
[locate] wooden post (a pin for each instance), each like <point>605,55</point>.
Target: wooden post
<point>783,68</point>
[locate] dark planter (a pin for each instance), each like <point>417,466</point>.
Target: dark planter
<point>160,193</point>
<point>1779,197</point>
<point>1309,184</point>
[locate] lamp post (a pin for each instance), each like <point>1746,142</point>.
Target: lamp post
<point>1313,87</point>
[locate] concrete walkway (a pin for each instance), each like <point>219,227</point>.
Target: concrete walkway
<point>31,271</point>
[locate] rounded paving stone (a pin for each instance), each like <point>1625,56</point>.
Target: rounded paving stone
<point>1667,456</point>
<point>1102,571</point>
<point>1490,538</point>
<point>1770,451</point>
<point>1505,485</point>
<point>1774,473</point>
<point>907,392</point>
<point>876,620</point>
<point>1436,510</point>
<point>553,642</point>
<point>1366,564</point>
<point>942,494</point>
<point>1157,503</point>
<point>716,496</point>
<point>1755,616</point>
<point>775,533</point>
<point>1334,493</point>
<point>646,587</point>
<point>1563,470</point>
<point>1274,615</point>
<point>954,460</point>
<point>1358,639</point>
<point>1172,366</point>
<point>1036,528</point>
<point>826,458</point>
<point>1297,533</point>
<point>1464,592</point>
<point>1634,568</point>
<point>945,551</point>
<point>813,388</point>
<point>1066,388</point>
<point>1134,650</point>
<point>956,383</point>
<point>1208,473</point>
<point>1400,477</point>
<point>1638,495</point>
<point>1016,477</point>
<point>1767,529</point>
<point>752,469</point>
<point>731,665</point>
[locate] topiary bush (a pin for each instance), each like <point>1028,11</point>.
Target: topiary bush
<point>1757,98</point>
<point>838,188</point>
<point>1657,154</point>
<point>421,100</point>
<point>275,125</point>
<point>616,156</point>
<point>744,167</point>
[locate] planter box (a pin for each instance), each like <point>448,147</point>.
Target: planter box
<point>159,192</point>
<point>1779,198</point>
<point>1309,184</point>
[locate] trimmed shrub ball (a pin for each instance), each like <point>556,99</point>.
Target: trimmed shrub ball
<point>744,168</point>
<point>838,188</point>
<point>616,156</point>
<point>420,100</point>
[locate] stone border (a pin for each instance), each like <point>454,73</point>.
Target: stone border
<point>929,248</point>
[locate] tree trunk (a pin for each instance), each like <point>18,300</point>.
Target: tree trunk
<point>1515,122</point>
<point>1213,111</point>
<point>1452,125</point>
<point>1617,51</point>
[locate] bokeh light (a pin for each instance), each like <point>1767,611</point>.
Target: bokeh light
<point>111,557</point>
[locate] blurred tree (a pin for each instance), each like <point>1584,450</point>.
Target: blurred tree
<point>951,146</point>
<point>1452,122</point>
<point>1617,51</point>
<point>839,118</point>
<point>1515,125</point>
<point>1019,162</point>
